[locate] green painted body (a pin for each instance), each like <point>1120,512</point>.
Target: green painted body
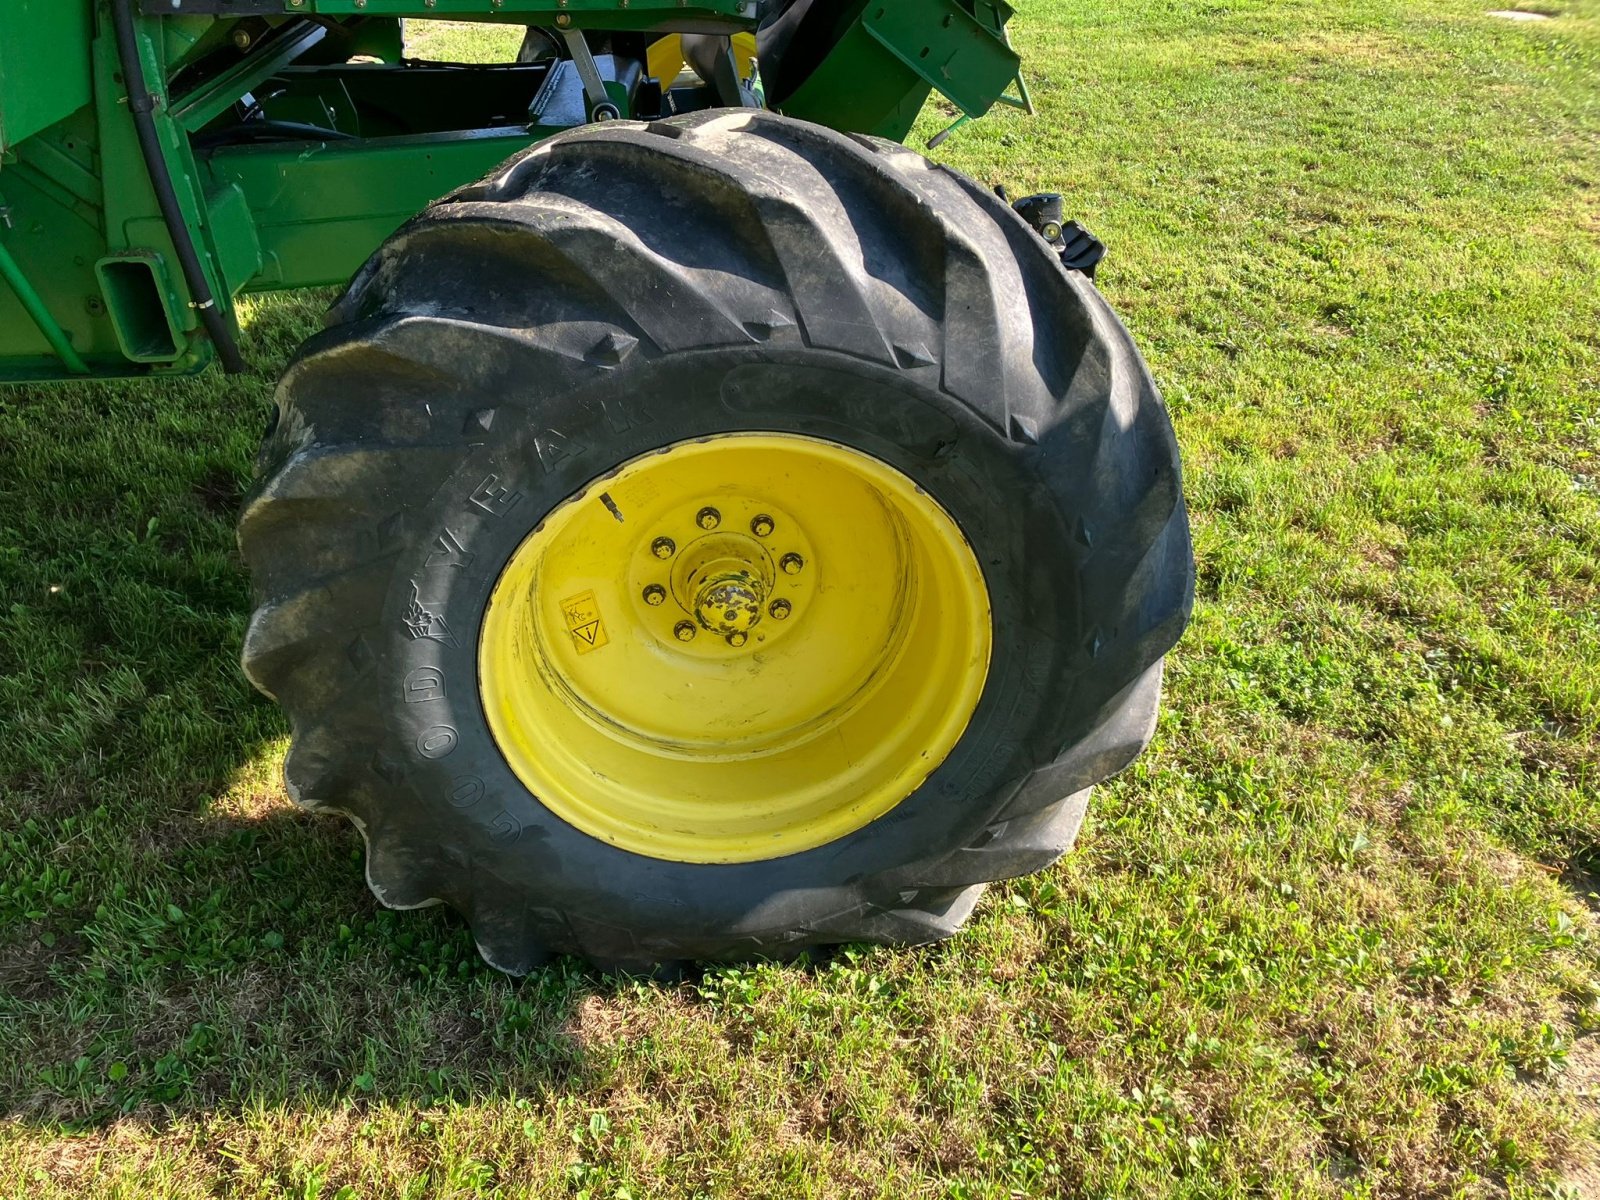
<point>89,283</point>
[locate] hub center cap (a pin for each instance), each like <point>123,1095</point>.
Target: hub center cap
<point>730,603</point>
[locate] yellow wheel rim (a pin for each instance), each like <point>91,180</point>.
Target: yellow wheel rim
<point>735,648</point>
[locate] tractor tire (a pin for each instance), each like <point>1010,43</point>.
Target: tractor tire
<point>910,498</point>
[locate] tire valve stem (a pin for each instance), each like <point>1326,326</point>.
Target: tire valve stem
<point>663,547</point>
<point>655,595</point>
<point>684,631</point>
<point>780,610</point>
<point>762,526</point>
<point>708,518</point>
<point>792,564</point>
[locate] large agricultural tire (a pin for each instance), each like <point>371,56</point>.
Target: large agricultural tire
<point>538,383</point>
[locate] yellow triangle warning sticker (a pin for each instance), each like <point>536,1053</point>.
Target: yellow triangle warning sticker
<point>582,615</point>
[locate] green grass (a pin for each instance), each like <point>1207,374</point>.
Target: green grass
<point>1334,935</point>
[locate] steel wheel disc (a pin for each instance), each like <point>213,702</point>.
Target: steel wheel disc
<point>735,649</point>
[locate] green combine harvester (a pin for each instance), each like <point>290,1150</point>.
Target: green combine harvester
<point>705,529</point>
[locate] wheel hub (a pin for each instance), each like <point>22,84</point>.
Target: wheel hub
<point>718,570</point>
<point>735,648</point>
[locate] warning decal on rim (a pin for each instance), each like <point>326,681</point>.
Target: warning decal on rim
<point>583,622</point>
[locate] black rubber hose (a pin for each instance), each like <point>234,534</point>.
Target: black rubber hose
<point>142,104</point>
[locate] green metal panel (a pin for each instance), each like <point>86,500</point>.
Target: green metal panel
<point>886,64</point>
<point>44,65</point>
<point>951,50</point>
<point>50,222</point>
<point>185,38</point>
<point>236,235</point>
<point>641,15</point>
<point>321,209</point>
<point>585,14</point>
<point>39,313</point>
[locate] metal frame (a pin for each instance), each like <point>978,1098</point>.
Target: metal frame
<point>288,167</point>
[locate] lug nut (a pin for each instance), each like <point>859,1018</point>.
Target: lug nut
<point>663,547</point>
<point>792,564</point>
<point>684,631</point>
<point>708,518</point>
<point>738,639</point>
<point>655,594</point>
<point>780,610</point>
<point>762,526</point>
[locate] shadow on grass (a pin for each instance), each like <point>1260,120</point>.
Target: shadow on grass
<point>1581,877</point>
<point>175,936</point>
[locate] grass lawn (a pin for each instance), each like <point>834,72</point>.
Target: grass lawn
<point>1336,933</point>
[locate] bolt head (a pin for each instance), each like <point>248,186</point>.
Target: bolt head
<point>655,595</point>
<point>708,518</point>
<point>780,610</point>
<point>684,631</point>
<point>792,564</point>
<point>663,547</point>
<point>762,526</point>
<point>738,639</point>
